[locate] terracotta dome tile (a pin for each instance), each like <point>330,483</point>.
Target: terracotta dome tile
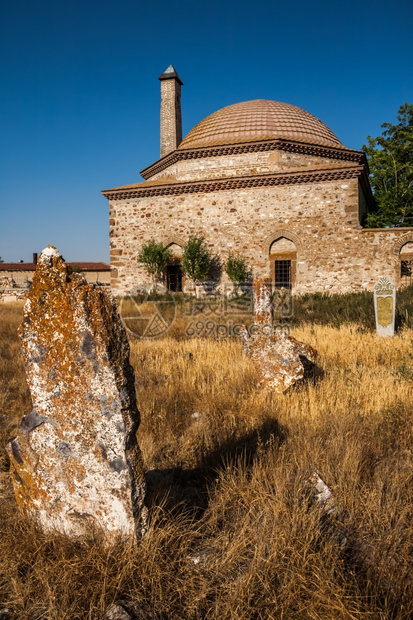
<point>259,120</point>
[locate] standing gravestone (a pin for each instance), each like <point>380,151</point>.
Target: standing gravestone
<point>75,462</point>
<point>385,306</point>
<point>279,360</point>
<point>262,301</point>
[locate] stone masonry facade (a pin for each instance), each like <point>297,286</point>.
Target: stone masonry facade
<point>268,190</point>
<point>241,164</point>
<point>334,253</point>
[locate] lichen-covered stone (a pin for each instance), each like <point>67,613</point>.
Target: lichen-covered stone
<point>279,360</point>
<point>262,299</point>
<point>117,612</point>
<point>75,462</point>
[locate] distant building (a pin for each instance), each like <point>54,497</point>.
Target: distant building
<point>16,278</point>
<point>263,179</point>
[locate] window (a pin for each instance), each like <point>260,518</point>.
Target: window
<point>283,274</point>
<point>406,271</point>
<point>406,264</point>
<point>283,259</point>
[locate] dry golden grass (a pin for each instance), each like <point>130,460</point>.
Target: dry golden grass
<point>228,466</point>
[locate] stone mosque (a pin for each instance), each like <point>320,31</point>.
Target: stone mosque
<point>262,179</point>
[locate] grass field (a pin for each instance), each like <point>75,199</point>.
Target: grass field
<point>228,468</point>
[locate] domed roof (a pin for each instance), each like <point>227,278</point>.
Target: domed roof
<point>256,120</point>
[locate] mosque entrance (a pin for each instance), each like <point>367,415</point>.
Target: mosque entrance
<point>174,278</point>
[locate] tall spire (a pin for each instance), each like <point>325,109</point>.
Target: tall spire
<point>171,120</point>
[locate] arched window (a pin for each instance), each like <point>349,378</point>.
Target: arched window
<point>406,264</point>
<point>283,257</point>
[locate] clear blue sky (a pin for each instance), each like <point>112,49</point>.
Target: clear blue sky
<point>80,95</point>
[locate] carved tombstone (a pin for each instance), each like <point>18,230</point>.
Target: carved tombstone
<point>75,462</point>
<point>385,306</point>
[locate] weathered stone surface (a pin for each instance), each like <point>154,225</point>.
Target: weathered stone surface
<point>117,612</point>
<point>323,495</point>
<point>262,300</point>
<point>280,360</point>
<point>124,610</point>
<point>75,462</point>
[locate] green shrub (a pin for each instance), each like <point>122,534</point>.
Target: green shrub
<point>155,257</point>
<point>196,259</point>
<point>237,270</point>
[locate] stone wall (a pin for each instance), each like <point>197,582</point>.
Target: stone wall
<point>16,278</point>
<point>8,295</point>
<point>13,289</point>
<point>334,253</point>
<point>97,277</point>
<point>15,285</point>
<point>242,164</point>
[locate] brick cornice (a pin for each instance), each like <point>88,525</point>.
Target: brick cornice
<point>290,146</point>
<point>231,183</point>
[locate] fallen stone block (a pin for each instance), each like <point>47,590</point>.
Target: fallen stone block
<point>75,462</point>
<point>279,360</point>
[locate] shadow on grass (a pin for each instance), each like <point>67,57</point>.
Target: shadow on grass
<point>181,490</point>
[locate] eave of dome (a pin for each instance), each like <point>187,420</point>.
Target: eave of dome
<point>169,186</point>
<point>337,152</point>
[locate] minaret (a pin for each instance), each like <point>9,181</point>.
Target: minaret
<point>171,121</point>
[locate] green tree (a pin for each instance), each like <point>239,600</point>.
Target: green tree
<point>237,270</point>
<point>154,256</point>
<point>390,158</point>
<point>196,259</point>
